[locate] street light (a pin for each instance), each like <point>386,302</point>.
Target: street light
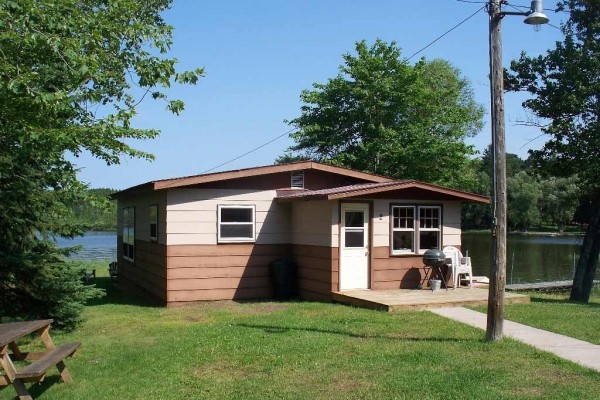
<point>535,16</point>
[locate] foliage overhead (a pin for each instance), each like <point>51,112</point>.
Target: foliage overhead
<point>564,84</point>
<point>72,73</point>
<point>382,115</point>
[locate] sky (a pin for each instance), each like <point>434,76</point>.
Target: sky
<point>259,55</point>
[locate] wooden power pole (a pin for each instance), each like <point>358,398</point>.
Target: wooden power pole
<point>495,314</point>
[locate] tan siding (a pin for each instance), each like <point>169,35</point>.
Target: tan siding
<point>221,272</point>
<point>142,203</point>
<point>311,223</point>
<point>451,221</point>
<point>452,232</point>
<point>395,272</point>
<point>192,215</point>
<point>316,276</point>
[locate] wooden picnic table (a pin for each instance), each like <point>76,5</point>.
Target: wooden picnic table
<point>10,334</point>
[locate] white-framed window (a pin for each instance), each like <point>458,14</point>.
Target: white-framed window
<point>236,223</point>
<point>403,229</point>
<point>153,211</point>
<point>297,178</point>
<point>129,233</point>
<point>415,229</point>
<point>430,232</point>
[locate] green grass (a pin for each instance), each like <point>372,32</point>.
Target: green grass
<point>297,350</point>
<point>555,313</point>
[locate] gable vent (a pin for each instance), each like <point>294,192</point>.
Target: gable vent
<point>298,180</point>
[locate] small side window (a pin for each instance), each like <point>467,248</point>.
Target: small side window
<point>236,223</point>
<point>129,233</point>
<point>153,222</point>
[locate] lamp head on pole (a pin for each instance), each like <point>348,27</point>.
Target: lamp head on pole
<point>536,16</point>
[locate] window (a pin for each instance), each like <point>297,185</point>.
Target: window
<point>236,223</point>
<point>429,228</point>
<point>128,232</point>
<point>415,227</point>
<point>403,229</point>
<point>154,222</point>
<point>298,180</point>
<point>354,228</point>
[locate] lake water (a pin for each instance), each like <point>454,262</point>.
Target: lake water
<point>530,258</point>
<point>95,246</point>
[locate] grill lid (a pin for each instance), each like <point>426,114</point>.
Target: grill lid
<point>434,258</point>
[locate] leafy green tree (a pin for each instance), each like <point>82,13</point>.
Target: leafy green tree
<point>383,115</point>
<point>514,163</point>
<point>523,196</point>
<point>71,75</point>
<point>564,84</point>
<point>560,198</point>
<point>97,213</point>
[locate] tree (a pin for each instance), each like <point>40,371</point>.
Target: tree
<point>560,198</point>
<point>564,84</point>
<point>382,115</point>
<point>71,75</point>
<point>523,195</point>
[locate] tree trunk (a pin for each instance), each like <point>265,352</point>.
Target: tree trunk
<point>583,281</point>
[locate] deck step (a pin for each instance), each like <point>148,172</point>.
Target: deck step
<point>39,368</point>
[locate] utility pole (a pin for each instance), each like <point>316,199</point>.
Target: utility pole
<point>535,17</point>
<point>495,314</point>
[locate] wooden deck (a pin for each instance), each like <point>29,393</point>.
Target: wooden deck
<point>406,299</point>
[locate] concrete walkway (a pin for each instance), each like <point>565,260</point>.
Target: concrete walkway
<point>578,351</point>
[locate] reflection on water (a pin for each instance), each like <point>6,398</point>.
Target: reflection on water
<point>530,258</point>
<point>96,246</point>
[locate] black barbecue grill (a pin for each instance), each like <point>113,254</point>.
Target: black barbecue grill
<point>435,259</point>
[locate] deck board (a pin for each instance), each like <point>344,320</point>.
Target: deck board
<point>406,299</point>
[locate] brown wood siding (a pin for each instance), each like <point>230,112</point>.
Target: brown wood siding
<point>396,272</point>
<point>313,180</point>
<point>221,272</point>
<point>146,275</point>
<point>317,271</point>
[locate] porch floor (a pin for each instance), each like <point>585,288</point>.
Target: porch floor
<point>413,299</point>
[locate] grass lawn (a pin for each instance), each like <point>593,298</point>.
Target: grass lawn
<point>297,350</point>
<point>555,313</point>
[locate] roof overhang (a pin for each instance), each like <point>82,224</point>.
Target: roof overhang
<point>246,173</point>
<point>369,190</point>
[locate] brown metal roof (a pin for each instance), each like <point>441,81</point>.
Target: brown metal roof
<point>380,187</point>
<point>249,172</point>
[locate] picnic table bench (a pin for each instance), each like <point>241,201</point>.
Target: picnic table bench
<point>53,356</point>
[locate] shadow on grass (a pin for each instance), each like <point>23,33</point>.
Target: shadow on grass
<point>114,295</point>
<point>563,301</point>
<point>272,329</point>
<point>37,389</point>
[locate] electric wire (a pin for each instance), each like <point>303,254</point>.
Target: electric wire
<point>445,33</point>
<point>251,151</point>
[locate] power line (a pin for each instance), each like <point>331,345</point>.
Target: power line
<point>447,32</point>
<point>251,151</point>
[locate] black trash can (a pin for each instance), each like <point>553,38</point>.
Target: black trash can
<point>283,274</point>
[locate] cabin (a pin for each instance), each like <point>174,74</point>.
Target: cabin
<point>214,236</point>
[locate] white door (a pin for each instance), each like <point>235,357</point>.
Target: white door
<point>354,247</point>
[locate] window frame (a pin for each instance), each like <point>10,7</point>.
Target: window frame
<point>127,232</point>
<point>153,221</point>
<point>221,239</point>
<point>392,229</point>
<point>416,228</point>
<point>438,229</point>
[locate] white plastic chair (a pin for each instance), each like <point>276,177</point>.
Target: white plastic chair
<point>460,265</point>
